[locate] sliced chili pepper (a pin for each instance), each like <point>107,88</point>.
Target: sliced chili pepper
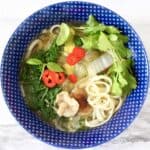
<point>60,78</point>
<point>71,59</point>
<point>79,52</point>
<point>73,78</point>
<point>74,57</point>
<point>49,78</point>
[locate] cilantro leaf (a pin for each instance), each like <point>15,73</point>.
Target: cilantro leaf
<point>91,21</point>
<point>112,30</point>
<point>122,78</point>
<point>122,81</point>
<point>120,49</point>
<point>103,42</point>
<point>116,88</point>
<point>90,42</point>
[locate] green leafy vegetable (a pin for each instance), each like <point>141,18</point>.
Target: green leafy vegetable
<point>92,26</point>
<point>120,49</point>
<point>94,29</point>
<point>113,37</point>
<point>54,67</point>
<point>103,42</point>
<point>50,55</point>
<point>112,30</point>
<point>91,21</point>
<point>34,61</point>
<point>123,38</point>
<point>123,80</point>
<point>38,97</point>
<point>53,53</point>
<point>109,38</point>
<point>90,42</point>
<point>78,41</point>
<point>116,88</point>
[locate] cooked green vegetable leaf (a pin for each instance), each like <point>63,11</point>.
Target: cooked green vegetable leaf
<point>78,41</point>
<point>92,26</point>
<point>116,88</point>
<point>113,37</point>
<point>90,42</point>
<point>131,83</point>
<point>38,97</point>
<point>94,29</point>
<point>53,53</point>
<point>122,78</point>
<point>123,38</point>
<point>91,21</point>
<point>47,111</point>
<point>103,42</point>
<point>34,61</point>
<point>120,49</point>
<point>111,30</point>
<point>122,81</point>
<point>54,67</point>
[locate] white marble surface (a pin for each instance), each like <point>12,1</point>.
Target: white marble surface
<point>14,137</point>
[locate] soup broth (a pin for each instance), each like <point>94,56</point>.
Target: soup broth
<point>76,76</point>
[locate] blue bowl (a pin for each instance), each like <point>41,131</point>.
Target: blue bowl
<point>66,12</point>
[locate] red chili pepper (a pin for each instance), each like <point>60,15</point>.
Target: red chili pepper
<point>60,77</point>
<point>79,52</point>
<point>71,59</point>
<point>74,57</point>
<point>72,78</point>
<point>49,78</point>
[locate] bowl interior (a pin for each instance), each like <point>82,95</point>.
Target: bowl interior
<point>68,12</point>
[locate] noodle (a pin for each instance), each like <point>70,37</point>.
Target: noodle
<point>103,104</point>
<point>54,28</point>
<point>31,47</point>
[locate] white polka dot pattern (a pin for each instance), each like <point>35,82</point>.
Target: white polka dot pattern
<point>64,12</point>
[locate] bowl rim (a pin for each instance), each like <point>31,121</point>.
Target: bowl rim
<point>72,2</point>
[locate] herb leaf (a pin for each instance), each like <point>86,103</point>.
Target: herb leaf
<point>116,88</point>
<point>91,21</point>
<point>112,30</point>
<point>54,67</point>
<point>103,42</point>
<point>34,61</point>
<point>37,96</point>
<point>53,53</point>
<point>90,42</point>
<point>78,41</point>
<point>123,80</point>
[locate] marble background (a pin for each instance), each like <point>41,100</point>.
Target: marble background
<point>14,137</point>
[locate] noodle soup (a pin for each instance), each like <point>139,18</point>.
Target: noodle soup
<point>76,76</point>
